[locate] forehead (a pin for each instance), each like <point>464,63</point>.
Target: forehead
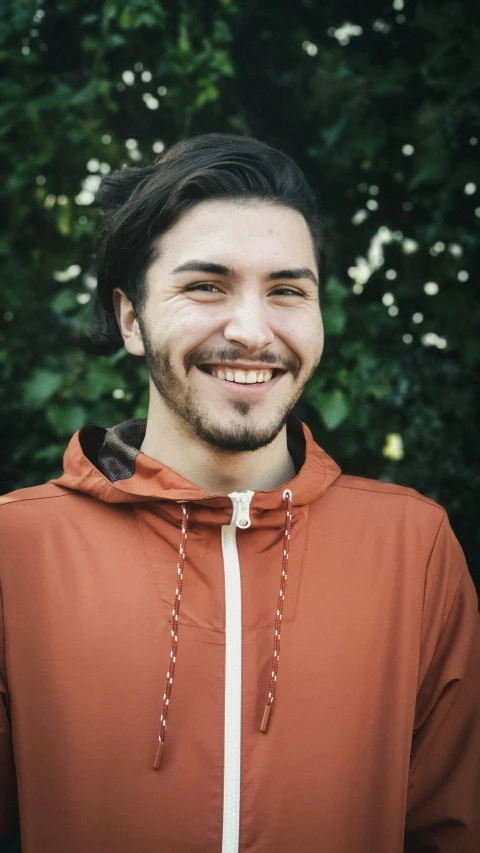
<point>240,234</point>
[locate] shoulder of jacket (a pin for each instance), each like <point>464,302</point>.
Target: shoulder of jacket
<point>373,487</point>
<point>45,492</point>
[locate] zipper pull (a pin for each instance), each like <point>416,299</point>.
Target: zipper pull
<point>241,507</point>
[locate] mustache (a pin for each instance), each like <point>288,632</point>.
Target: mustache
<point>198,357</point>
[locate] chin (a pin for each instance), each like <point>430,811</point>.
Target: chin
<point>241,438</point>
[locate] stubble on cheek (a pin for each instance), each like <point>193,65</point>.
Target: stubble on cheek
<point>184,400</point>
<point>160,370</point>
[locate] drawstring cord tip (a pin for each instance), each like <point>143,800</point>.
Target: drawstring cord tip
<point>266,714</point>
<point>159,756</point>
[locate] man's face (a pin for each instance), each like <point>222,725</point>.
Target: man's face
<point>231,326</point>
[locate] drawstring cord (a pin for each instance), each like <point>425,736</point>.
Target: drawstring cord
<point>174,643</point>
<point>287,497</point>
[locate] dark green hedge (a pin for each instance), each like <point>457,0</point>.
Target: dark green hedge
<point>379,102</point>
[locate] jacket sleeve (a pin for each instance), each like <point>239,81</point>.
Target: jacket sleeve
<point>8,796</point>
<point>443,801</point>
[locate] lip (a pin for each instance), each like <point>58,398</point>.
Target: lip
<point>242,389</point>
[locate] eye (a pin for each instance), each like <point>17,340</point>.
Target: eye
<point>203,286</point>
<point>287,291</point>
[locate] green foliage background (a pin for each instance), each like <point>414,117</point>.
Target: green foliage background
<point>341,86</point>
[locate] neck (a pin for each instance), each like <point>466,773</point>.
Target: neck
<point>216,471</point>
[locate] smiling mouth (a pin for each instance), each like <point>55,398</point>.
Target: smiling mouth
<point>241,377</point>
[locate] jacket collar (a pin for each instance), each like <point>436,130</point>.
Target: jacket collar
<point>109,465</point>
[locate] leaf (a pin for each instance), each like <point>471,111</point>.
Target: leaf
<point>50,453</point>
<point>126,19</point>
<point>333,407</point>
<point>332,134</point>
<point>64,301</point>
<point>40,387</point>
<point>431,170</point>
<point>209,93</point>
<point>101,379</point>
<point>66,418</point>
<point>334,319</point>
<point>336,290</point>
<point>64,221</point>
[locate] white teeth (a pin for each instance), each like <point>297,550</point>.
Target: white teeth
<point>249,377</point>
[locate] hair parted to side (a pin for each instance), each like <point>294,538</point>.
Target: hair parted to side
<point>142,203</point>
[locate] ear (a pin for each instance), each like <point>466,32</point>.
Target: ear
<point>128,323</point>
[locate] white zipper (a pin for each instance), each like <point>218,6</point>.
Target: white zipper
<point>233,671</point>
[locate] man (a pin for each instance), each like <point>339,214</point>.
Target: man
<point>213,640</point>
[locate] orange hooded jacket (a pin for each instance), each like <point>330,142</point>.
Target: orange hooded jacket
<point>339,608</point>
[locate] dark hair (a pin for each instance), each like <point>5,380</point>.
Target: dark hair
<point>141,204</point>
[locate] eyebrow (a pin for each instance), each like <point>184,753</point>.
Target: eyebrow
<point>220,269</point>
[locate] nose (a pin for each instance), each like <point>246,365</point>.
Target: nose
<point>248,324</point>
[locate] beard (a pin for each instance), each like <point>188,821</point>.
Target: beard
<point>242,434</point>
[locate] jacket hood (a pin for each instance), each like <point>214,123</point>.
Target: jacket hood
<point>109,465</point>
